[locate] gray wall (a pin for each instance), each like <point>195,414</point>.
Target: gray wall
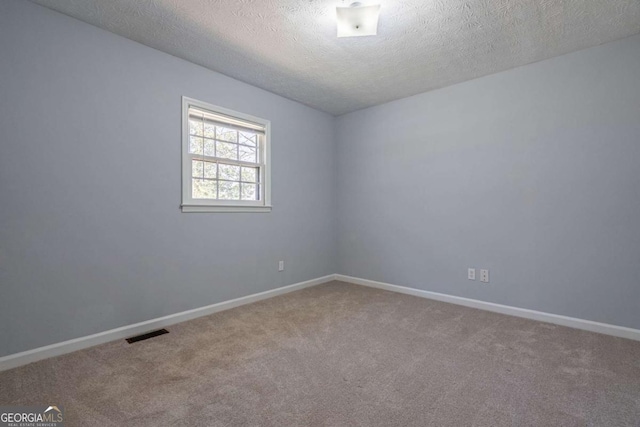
<point>533,173</point>
<point>91,236</point>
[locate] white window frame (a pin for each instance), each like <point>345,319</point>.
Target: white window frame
<point>189,204</point>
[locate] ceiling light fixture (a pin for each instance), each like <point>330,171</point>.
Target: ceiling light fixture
<point>357,20</point>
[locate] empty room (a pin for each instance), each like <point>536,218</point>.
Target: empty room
<point>319,213</point>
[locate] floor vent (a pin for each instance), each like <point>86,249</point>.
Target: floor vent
<point>147,336</point>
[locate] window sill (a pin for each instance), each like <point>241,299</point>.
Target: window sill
<point>205,209</point>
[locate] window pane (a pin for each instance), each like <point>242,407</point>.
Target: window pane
<point>209,130</point>
<point>210,170</point>
<point>195,145</point>
<point>248,138</point>
<point>226,134</point>
<point>203,189</point>
<point>249,192</point>
<point>196,168</point>
<point>227,158</point>
<point>195,127</point>
<point>229,190</point>
<point>248,154</point>
<point>249,174</point>
<point>226,150</point>
<point>209,147</point>
<point>230,172</point>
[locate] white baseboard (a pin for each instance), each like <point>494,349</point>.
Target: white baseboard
<point>25,357</point>
<point>29,356</point>
<point>571,322</point>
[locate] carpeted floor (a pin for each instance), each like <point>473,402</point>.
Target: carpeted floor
<point>344,355</point>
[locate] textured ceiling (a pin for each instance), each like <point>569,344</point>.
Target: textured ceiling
<point>290,46</point>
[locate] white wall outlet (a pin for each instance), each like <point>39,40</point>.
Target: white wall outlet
<point>484,276</point>
<point>471,274</point>
<point>280,265</point>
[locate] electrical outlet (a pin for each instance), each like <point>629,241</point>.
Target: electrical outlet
<point>484,276</point>
<point>280,265</point>
<point>471,274</point>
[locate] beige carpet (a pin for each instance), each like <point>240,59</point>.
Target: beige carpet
<point>344,355</point>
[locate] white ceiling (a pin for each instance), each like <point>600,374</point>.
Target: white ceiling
<point>290,47</point>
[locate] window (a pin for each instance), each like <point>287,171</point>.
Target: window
<point>225,160</point>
